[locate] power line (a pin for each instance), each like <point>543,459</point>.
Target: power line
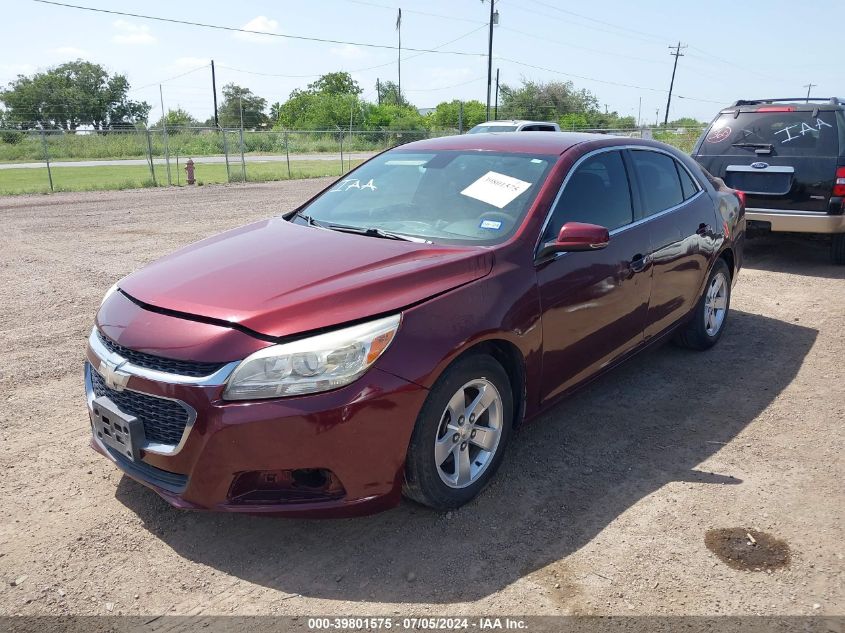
<point>597,21</point>
<point>251,31</point>
<point>602,81</point>
<point>425,13</point>
<point>355,70</point>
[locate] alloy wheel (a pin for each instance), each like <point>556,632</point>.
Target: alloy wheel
<point>469,433</point>
<point>715,304</point>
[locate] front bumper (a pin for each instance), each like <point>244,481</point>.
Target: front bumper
<point>359,433</point>
<point>797,221</point>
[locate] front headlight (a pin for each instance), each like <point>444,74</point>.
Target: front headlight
<point>314,364</point>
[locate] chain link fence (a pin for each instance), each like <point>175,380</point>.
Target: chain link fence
<point>36,161</point>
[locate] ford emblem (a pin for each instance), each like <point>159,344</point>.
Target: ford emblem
<point>759,165</point>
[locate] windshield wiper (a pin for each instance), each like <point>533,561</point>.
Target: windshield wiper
<point>370,231</point>
<point>767,146</point>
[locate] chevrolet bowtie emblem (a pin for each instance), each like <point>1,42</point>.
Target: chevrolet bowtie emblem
<point>113,377</point>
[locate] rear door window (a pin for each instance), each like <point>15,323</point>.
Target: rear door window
<point>788,133</point>
<point>687,183</point>
<point>659,181</point>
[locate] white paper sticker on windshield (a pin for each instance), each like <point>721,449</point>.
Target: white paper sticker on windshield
<point>496,189</point>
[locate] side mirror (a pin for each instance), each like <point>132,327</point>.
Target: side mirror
<point>576,236</point>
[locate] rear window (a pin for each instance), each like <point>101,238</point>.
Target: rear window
<point>788,133</point>
<point>480,129</point>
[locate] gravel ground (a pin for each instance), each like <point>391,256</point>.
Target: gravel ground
<point>601,507</point>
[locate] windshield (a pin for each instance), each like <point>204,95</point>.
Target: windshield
<point>478,129</point>
<point>449,197</point>
<point>781,133</point>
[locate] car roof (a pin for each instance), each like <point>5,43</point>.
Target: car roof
<point>546,143</point>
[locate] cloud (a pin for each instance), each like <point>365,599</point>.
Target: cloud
<point>131,33</point>
<point>71,52</point>
<point>259,23</point>
<point>348,51</point>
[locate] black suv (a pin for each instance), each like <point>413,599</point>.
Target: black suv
<point>788,156</point>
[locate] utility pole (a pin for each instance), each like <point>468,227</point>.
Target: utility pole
<point>676,55</point>
<point>378,90</point>
<point>493,19</point>
<point>399,61</point>
<point>214,90</point>
<point>640,112</point>
<point>809,87</point>
<point>656,116</point>
<point>496,107</point>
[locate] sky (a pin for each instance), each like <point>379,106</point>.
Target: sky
<point>617,49</point>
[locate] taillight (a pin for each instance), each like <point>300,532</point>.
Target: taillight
<point>741,196</point>
<point>776,109</point>
<point>839,183</point>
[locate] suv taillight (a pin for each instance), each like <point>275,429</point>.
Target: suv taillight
<point>839,183</point>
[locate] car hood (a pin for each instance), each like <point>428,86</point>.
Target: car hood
<point>276,278</point>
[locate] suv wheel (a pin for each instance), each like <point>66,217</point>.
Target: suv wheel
<point>708,321</point>
<point>837,249</point>
<point>460,435</point>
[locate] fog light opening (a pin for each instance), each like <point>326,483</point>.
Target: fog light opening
<point>267,487</point>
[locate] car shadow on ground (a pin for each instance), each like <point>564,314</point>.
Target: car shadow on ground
<point>565,478</point>
<point>794,253</point>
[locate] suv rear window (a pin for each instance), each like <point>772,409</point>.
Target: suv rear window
<point>789,134</point>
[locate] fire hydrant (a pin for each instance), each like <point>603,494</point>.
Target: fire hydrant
<point>189,170</point>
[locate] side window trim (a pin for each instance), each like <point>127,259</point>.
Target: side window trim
<point>632,174</point>
<point>633,186</point>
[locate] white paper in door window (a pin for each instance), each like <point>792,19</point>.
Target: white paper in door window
<point>496,189</point>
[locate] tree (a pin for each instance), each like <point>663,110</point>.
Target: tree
<point>394,117</point>
<point>236,98</point>
<point>337,83</point>
<point>71,95</point>
<point>388,93</point>
<point>177,118</point>
<point>545,101</point>
<point>447,114</point>
<point>329,102</point>
<point>275,112</point>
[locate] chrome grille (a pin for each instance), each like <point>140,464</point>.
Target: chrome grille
<point>164,420</point>
<point>159,363</point>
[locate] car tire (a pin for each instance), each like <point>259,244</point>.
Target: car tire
<point>837,249</point>
<point>708,321</point>
<point>454,453</point>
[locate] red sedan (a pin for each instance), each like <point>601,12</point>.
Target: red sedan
<point>390,334</point>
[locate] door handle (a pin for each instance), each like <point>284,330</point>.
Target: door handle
<point>638,262</point>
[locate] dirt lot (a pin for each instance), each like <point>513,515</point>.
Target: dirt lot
<point>602,507</point>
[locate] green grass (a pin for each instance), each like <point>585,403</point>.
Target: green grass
<point>22,180</point>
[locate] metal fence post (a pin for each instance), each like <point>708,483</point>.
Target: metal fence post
<point>47,158</point>
<point>226,155</point>
<point>167,156</point>
<point>341,153</point>
<point>150,150</point>
<point>287,153</point>
<point>243,161</point>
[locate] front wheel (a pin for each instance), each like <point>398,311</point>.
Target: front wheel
<point>460,434</point>
<point>708,321</point>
